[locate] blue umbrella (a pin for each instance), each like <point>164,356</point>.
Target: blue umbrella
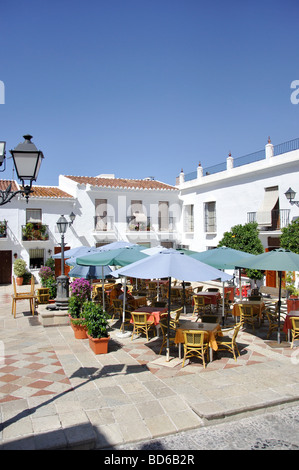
<point>171,263</point>
<point>90,272</point>
<point>78,251</point>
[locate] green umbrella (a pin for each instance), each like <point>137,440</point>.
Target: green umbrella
<point>275,260</point>
<point>119,257</point>
<point>222,257</point>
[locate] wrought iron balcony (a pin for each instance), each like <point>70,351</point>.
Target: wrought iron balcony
<point>35,231</point>
<point>279,218</point>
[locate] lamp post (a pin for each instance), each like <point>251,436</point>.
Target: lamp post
<point>27,161</point>
<point>62,296</point>
<point>290,195</point>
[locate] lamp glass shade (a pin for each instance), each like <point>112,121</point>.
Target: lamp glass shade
<point>27,160</point>
<point>62,224</point>
<point>2,152</point>
<point>290,194</point>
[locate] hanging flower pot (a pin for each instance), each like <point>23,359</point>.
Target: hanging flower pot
<point>99,345</point>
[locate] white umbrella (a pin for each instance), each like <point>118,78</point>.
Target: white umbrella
<point>171,263</point>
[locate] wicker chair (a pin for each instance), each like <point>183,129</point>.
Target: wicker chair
<point>141,324</point>
<point>229,343</point>
<point>117,305</point>
<point>200,306</point>
<point>295,329</point>
<point>195,345</point>
<point>248,315</point>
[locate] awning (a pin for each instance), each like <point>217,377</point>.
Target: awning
<point>263,215</point>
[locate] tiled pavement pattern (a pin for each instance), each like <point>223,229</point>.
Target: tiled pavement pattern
<point>31,375</point>
<point>56,393</point>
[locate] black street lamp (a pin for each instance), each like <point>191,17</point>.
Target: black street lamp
<point>290,195</point>
<point>62,296</point>
<point>27,161</point>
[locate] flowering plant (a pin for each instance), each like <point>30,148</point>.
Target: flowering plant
<point>44,273</point>
<point>81,288</point>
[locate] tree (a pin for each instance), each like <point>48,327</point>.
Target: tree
<point>289,239</point>
<point>245,238</point>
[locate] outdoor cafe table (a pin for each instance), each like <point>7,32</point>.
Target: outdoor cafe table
<point>287,326</point>
<point>259,307</point>
<point>211,330</point>
<point>154,314</point>
<point>210,297</point>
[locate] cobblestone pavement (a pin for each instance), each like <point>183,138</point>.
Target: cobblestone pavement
<point>277,430</point>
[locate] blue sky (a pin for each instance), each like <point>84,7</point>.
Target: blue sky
<point>144,88</point>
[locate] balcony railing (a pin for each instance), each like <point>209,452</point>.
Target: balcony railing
<point>103,223</point>
<point>3,228</point>
<point>279,219</point>
<point>35,231</point>
<point>135,226</point>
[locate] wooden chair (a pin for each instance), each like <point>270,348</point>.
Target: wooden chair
<point>174,321</point>
<point>229,343</point>
<point>195,345</point>
<point>295,329</point>
<point>200,306</point>
<point>272,317</point>
<point>117,305</point>
<point>248,315</point>
<point>23,296</point>
<point>141,324</point>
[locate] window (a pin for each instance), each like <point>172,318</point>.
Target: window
<point>101,214</point>
<point>138,219</point>
<point>36,258</point>
<point>163,216</point>
<point>210,217</point>
<point>189,218</point>
<point>33,216</point>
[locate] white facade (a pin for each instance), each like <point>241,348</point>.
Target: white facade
<point>237,195</point>
<point>194,214</point>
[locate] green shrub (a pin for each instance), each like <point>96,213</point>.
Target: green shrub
<point>96,320</point>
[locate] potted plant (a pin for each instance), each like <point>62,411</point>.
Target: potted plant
<point>80,293</point>
<point>96,321</point>
<point>19,268</point>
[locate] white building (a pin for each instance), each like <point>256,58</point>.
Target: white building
<point>245,189</point>
<point>193,214</point>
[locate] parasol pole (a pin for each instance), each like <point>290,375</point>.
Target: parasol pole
<point>279,304</point>
<point>223,304</point>
<point>184,297</point>
<point>103,288</point>
<point>168,320</point>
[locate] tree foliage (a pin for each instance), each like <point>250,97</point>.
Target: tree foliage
<point>289,239</point>
<point>245,238</point>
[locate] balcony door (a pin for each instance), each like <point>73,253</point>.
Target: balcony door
<point>101,214</point>
<point>163,216</point>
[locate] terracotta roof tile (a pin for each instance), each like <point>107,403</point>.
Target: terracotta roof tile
<point>51,192</point>
<point>122,183</point>
<point>5,183</point>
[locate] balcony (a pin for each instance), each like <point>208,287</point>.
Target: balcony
<point>280,218</point>
<point>104,223</point>
<point>133,225</point>
<point>35,231</point>
<point>3,228</point>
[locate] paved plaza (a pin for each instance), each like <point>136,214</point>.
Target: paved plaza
<point>55,393</point>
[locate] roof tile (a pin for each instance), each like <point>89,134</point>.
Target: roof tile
<point>122,183</point>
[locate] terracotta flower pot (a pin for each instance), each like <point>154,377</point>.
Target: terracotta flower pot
<point>19,281</point>
<point>79,331</point>
<point>99,345</point>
